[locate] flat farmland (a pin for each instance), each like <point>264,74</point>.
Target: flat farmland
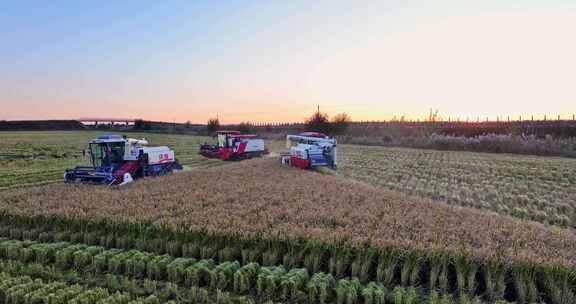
<point>541,189</point>
<point>267,232</point>
<point>376,231</point>
<point>33,158</point>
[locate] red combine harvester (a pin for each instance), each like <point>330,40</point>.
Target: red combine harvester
<point>234,146</point>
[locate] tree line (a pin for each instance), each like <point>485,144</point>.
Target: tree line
<point>317,122</point>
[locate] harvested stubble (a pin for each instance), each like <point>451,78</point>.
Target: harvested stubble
<point>260,197</point>
<point>541,189</point>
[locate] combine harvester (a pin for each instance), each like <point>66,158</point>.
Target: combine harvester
<point>232,145</point>
<point>310,150</point>
<point>117,160</point>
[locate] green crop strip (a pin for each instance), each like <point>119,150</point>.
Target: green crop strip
<point>122,288</point>
<point>269,282</point>
<point>389,265</point>
<point>136,290</point>
<point>23,289</point>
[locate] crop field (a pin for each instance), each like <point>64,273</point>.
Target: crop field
<point>255,218</point>
<point>32,158</point>
<point>257,232</point>
<point>541,189</point>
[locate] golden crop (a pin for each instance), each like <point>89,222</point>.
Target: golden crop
<point>262,197</point>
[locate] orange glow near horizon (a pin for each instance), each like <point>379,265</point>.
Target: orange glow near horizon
<point>491,65</point>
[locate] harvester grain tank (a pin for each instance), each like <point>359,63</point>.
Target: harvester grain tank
<point>118,160</point>
<point>232,145</point>
<point>310,150</point>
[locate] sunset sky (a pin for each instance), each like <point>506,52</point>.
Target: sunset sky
<point>270,61</point>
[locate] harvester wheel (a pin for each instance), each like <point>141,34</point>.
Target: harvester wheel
<point>68,178</point>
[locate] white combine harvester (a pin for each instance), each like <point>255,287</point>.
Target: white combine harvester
<point>310,150</point>
<point>118,160</point>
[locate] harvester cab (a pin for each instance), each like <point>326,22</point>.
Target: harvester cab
<point>118,160</point>
<point>310,150</point>
<point>232,145</point>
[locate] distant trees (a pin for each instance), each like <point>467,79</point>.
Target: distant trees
<point>213,125</point>
<point>140,124</point>
<point>320,122</point>
<point>245,128</point>
<point>340,123</point>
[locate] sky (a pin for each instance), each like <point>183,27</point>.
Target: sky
<point>276,61</point>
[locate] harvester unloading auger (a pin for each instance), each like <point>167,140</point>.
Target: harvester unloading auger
<point>310,150</point>
<point>119,160</point>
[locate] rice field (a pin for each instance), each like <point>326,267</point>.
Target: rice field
<point>348,235</point>
<point>261,197</point>
<point>38,269</point>
<point>33,158</point>
<point>541,189</point>
<point>257,232</point>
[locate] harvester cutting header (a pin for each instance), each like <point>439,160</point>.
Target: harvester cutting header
<point>118,160</point>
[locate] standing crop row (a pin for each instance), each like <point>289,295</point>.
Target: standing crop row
<point>535,188</point>
<point>274,282</point>
<point>23,289</point>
